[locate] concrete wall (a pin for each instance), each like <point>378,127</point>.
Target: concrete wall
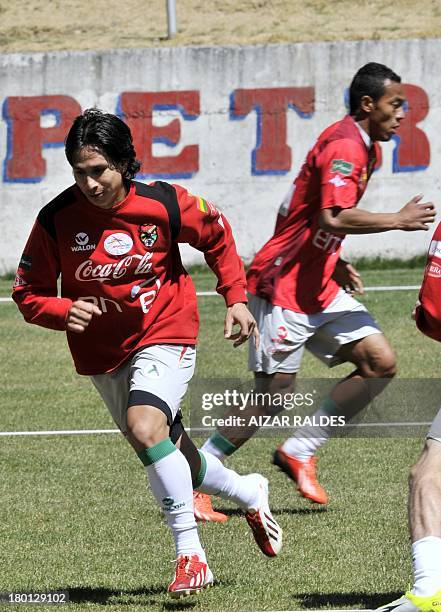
<point>230,123</point>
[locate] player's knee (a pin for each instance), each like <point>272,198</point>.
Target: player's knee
<point>380,366</point>
<point>146,433</point>
<point>387,367</point>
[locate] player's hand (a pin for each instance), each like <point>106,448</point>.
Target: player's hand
<point>347,277</point>
<point>80,315</point>
<point>238,314</point>
<point>416,215</point>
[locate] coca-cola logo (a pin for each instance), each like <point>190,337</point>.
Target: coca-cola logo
<point>90,271</point>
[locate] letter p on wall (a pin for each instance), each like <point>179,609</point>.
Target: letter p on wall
<point>26,137</point>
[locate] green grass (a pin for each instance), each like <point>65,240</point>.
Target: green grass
<point>75,513</point>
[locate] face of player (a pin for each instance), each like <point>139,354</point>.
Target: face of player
<point>387,112</point>
<point>100,182</point>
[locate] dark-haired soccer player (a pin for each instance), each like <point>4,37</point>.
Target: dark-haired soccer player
<point>296,279</point>
<point>129,309</point>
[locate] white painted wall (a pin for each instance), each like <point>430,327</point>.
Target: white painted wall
<point>250,202</point>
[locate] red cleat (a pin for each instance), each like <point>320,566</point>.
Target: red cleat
<point>191,576</point>
<point>203,509</point>
<point>266,530</point>
<point>303,473</point>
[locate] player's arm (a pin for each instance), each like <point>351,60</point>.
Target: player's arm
<point>415,215</point>
<point>342,168</point>
<point>35,286</point>
<point>206,229</point>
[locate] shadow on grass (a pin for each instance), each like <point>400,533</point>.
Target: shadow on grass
<point>278,512</point>
<point>112,596</point>
<point>368,601</point>
<point>127,597</point>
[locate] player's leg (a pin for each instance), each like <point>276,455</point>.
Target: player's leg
<point>425,528</point>
<point>345,331</point>
<point>375,367</point>
<point>228,439</point>
<point>143,398</point>
<point>202,506</point>
<point>274,363</point>
<point>249,492</point>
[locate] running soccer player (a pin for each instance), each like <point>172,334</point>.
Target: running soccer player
<point>129,311</point>
<point>296,279</point>
<point>425,476</point>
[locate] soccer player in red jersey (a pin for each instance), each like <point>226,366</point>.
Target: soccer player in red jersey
<point>129,311</point>
<point>296,280</point>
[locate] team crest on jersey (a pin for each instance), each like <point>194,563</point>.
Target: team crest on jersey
<point>148,234</point>
<point>342,166</point>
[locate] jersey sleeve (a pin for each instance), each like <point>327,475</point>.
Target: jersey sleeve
<point>206,229</point>
<point>340,165</point>
<point>35,286</point>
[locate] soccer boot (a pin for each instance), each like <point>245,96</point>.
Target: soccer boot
<point>266,530</point>
<point>191,576</point>
<point>412,603</point>
<point>203,509</point>
<point>303,473</point>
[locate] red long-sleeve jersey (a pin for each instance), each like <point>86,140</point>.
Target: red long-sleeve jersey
<point>126,261</point>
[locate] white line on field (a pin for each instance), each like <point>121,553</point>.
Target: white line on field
<point>61,432</point>
<point>78,432</point>
<point>212,293</point>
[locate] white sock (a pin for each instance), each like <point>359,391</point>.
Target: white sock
<point>209,447</point>
<point>228,484</point>
<point>170,481</point>
<point>308,439</point>
<point>426,557</point>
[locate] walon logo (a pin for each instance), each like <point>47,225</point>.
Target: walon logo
<point>82,240</point>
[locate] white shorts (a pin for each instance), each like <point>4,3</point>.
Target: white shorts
<point>155,376</point>
<point>285,334</point>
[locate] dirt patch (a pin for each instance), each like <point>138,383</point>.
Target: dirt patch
<point>46,25</point>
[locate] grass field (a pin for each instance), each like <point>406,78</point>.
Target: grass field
<point>75,514</point>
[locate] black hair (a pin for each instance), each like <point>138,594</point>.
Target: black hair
<point>369,81</point>
<point>109,135</point>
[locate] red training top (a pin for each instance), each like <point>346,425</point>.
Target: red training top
<point>126,261</point>
<point>294,268</point>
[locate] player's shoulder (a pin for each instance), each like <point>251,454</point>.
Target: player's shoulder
<point>342,134</point>
<point>342,141</point>
<point>47,215</point>
<point>158,190</point>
